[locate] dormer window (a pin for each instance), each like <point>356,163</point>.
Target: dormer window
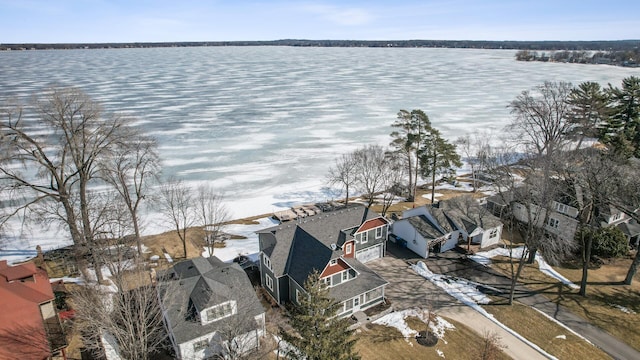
<point>333,262</point>
<point>220,311</point>
<point>345,275</point>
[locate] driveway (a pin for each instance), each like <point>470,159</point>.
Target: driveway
<point>407,290</point>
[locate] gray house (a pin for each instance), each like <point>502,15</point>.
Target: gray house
<point>336,244</point>
<point>210,308</point>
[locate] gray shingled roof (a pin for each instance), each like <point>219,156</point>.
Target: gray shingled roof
<point>425,227</point>
<point>327,228</point>
<point>366,280</point>
<point>307,254</point>
<point>202,283</point>
<point>470,216</point>
<point>304,246</point>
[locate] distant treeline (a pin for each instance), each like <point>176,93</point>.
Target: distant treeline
<point>628,57</point>
<point>614,45</point>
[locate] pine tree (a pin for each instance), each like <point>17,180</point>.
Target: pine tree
<point>318,334</point>
<point>622,132</point>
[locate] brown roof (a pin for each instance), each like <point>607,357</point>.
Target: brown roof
<point>22,289</point>
<point>371,224</point>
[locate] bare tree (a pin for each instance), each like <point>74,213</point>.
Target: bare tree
<point>392,175</point>
<point>343,173</point>
<point>58,165</point>
<point>213,214</point>
<point>491,347</point>
<point>130,168</point>
<point>370,171</point>
<point>475,149</point>
<point>176,204</point>
<point>540,117</point>
<point>528,206</point>
<point>127,314</point>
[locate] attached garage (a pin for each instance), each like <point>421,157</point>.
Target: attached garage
<point>374,252</point>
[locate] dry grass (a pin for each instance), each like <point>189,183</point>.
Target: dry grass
<point>419,200</point>
<point>543,332</point>
<point>382,342</point>
<point>604,290</point>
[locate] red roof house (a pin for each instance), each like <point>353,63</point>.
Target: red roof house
<point>29,325</point>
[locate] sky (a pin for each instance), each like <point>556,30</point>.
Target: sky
<point>94,21</point>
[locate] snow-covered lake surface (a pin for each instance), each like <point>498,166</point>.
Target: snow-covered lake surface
<point>263,124</point>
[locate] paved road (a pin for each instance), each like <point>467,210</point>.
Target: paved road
<point>407,290</point>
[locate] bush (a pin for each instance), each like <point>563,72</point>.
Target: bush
<point>609,242</point>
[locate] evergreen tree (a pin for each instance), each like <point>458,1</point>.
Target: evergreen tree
<point>437,157</point>
<point>411,128</point>
<point>588,111</point>
<point>318,334</point>
<point>622,131</point>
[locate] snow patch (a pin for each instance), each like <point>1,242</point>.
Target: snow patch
<point>397,320</point>
<point>463,290</point>
<point>625,310</point>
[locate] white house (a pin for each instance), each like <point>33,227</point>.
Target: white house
<point>215,311</point>
<point>441,228</point>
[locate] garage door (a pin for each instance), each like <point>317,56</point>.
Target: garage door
<point>371,253</point>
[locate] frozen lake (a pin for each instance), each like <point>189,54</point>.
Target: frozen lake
<point>263,124</point>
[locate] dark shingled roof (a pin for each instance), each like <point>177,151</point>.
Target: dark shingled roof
<point>366,280</point>
<point>306,245</point>
<point>334,227</point>
<point>426,228</point>
<point>203,283</point>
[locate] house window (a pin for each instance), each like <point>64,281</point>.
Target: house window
<point>364,237</point>
<point>268,281</point>
<point>561,208</point>
<point>333,262</point>
<point>348,249</point>
<point>221,311</point>
<point>200,345</point>
<point>493,233</point>
<point>345,275</point>
<point>553,223</point>
<point>267,261</point>
<point>379,232</point>
<point>326,281</point>
<point>616,216</point>
<point>298,296</point>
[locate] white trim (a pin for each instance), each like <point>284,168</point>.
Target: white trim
<point>205,316</point>
<point>379,229</point>
<point>348,248</point>
<point>266,261</point>
<point>268,281</point>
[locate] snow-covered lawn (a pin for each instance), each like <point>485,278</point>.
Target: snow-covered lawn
<point>484,258</point>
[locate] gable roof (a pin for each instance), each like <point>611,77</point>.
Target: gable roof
<point>333,227</point>
<point>20,303</point>
<point>425,227</point>
<point>203,283</point>
<point>307,254</point>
